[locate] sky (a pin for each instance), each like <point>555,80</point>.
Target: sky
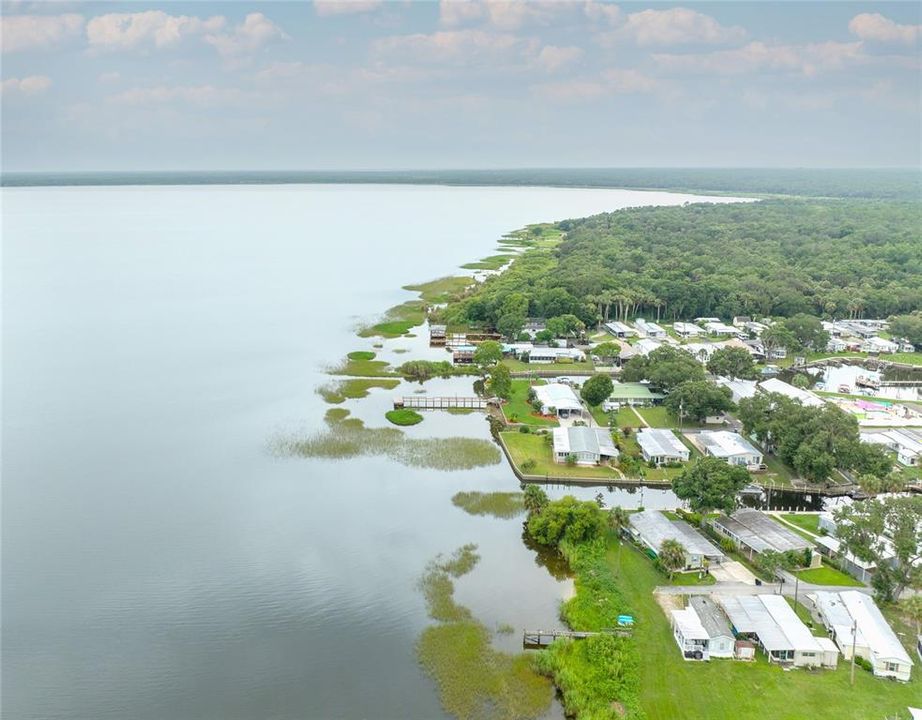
<point>365,84</point>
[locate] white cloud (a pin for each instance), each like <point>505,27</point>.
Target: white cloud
<point>609,83</point>
<point>31,85</point>
<point>153,28</point>
<point>678,26</point>
<point>457,12</point>
<point>874,26</point>
<point>36,32</point>
<point>108,78</point>
<point>602,12</point>
<point>758,57</point>
<point>250,35</point>
<point>325,8</point>
<point>504,14</point>
<point>204,96</point>
<point>553,58</point>
<point>454,47</point>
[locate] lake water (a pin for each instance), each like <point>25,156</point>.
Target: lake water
<point>158,561</point>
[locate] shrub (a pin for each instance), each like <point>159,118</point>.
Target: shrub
<point>404,416</point>
<point>528,465</point>
<point>524,429</point>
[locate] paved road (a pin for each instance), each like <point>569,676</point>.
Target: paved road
<point>735,588</point>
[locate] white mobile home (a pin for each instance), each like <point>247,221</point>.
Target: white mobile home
<point>645,328</point>
<point>619,329</point>
<point>544,355</point>
<point>728,446</point>
<point>661,446</point>
<point>558,399</point>
<point>806,398</point>
<point>754,532</point>
<point>687,330</point>
<point>690,635</point>
<point>739,388</point>
<point>587,446</point>
<point>651,528</point>
<point>722,643</point>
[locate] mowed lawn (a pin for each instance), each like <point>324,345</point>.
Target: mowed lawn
<point>805,521</point>
<point>518,409</point>
<point>672,689</point>
<point>525,446</point>
<point>827,575</point>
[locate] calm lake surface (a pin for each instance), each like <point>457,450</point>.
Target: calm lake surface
<point>158,561</point>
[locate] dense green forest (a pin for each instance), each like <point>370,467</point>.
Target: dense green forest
<point>832,258</point>
<point>874,183</point>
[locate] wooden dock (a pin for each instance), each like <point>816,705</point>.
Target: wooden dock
<point>533,639</point>
<point>429,402</point>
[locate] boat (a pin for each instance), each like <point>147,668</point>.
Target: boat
<point>867,382</point>
<point>845,388</point>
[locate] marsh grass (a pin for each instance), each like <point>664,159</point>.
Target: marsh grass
<point>352,389</point>
<point>475,682</point>
<point>442,290</point>
<point>362,367</point>
<point>498,504</point>
<point>494,262</point>
<point>397,321</point>
<point>347,437</point>
<point>403,417</point>
<point>361,355</point>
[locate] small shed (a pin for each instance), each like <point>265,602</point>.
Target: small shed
<point>830,653</point>
<point>744,650</point>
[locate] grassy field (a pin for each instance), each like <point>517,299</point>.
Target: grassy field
<point>777,471</point>
<point>673,689</point>
<point>517,407</point>
<point>806,521</point>
<point>827,575</point>
<point>525,446</point>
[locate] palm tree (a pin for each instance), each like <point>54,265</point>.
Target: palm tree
<point>535,499</point>
<point>672,556</point>
<point>618,519</point>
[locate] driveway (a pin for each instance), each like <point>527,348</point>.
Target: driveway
<point>732,571</point>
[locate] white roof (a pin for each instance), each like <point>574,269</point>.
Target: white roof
<point>555,352</point>
<point>880,637</point>
<point>774,385</point>
<point>725,444</point>
<point>658,442</point>
<point>758,531</point>
<point>647,326</point>
<point>688,328</point>
<point>584,439</point>
<point>646,346</point>
<point>739,388</point>
<point>689,624</point>
<point>719,327</point>
<point>654,527</point>
<point>557,395</point>
<point>772,619</point>
<point>835,614</point>
<point>619,327</point>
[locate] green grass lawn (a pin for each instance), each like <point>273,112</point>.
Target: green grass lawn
<point>517,408</point>
<point>777,471</point>
<point>659,417</point>
<point>806,521</point>
<point>827,575</point>
<point>672,689</point>
<point>524,446</point>
<point>515,365</point>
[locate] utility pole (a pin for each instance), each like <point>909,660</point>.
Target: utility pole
<point>854,643</point>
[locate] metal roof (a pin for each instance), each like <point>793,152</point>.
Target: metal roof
<point>656,442</point>
<point>654,528</point>
<point>771,619</point>
<point>758,531</point>
<point>711,617</point>
<point>774,385</point>
<point>689,624</point>
<point>724,444</point>
<point>557,395</point>
<point>881,639</point>
<point>584,439</point>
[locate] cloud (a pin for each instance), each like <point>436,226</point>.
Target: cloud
<point>454,47</point>
<point>759,57</point>
<point>108,78</point>
<point>553,58</point>
<point>31,85</point>
<point>326,8</point>
<point>503,14</point>
<point>153,28</point>
<point>37,32</point>
<point>602,12</point>
<point>876,27</point>
<point>678,26</point>
<point>609,83</point>
<point>250,35</point>
<point>203,96</point>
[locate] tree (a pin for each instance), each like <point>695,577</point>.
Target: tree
<point>911,607</point>
<point>566,326</point>
<point>665,368</point>
<point>807,331</point>
<point>770,562</point>
<point>566,520</point>
<point>597,389</point>
<point>618,520</point>
<point>909,327</point>
<point>710,484</point>
<point>671,556</point>
<point>697,399</point>
<point>535,499</point>
<point>512,314</point>
<point>776,337</point>
<point>500,382</point>
<point>733,362</point>
<point>875,530</point>
<point>609,351</point>
<point>487,353</point>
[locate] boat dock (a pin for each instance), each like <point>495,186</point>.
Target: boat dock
<point>428,402</point>
<point>534,639</point>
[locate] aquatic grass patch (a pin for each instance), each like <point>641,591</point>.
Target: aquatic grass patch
<point>493,262</point>
<point>362,367</point>
<point>442,290</point>
<point>498,504</point>
<point>403,417</point>
<point>475,682</point>
<point>397,321</point>
<point>361,355</point>
<point>353,389</point>
<point>349,438</point>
